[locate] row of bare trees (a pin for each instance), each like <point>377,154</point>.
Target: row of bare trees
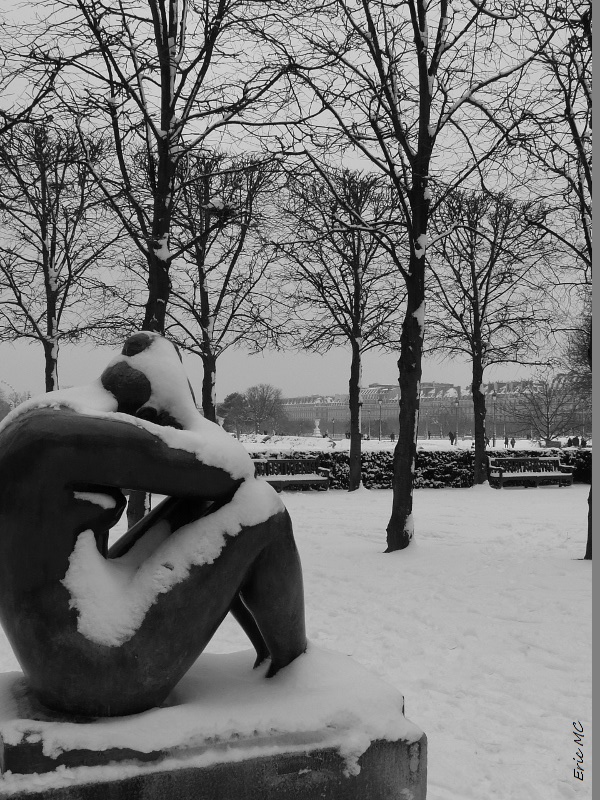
<point>415,140</point>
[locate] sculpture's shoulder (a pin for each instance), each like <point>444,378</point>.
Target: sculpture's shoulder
<point>23,430</point>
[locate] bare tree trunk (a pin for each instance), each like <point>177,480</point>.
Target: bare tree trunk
<point>479,412</point>
<point>588,547</point>
<point>138,505</point>
<point>158,295</point>
<point>209,363</point>
<point>355,431</point>
<point>400,527</point>
<point>50,364</point>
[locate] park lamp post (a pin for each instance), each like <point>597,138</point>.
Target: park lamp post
<point>494,398</point>
<point>457,406</point>
<point>332,428</point>
<point>379,401</point>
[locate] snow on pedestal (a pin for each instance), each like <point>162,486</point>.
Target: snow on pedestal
<point>222,712</point>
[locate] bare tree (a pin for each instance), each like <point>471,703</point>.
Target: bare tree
<point>485,301</point>
<point>159,78</point>
<point>218,296</point>
<point>264,406</point>
<point>554,132</point>
<point>549,408</point>
<point>338,278</point>
<point>413,89</point>
<point>55,246</point>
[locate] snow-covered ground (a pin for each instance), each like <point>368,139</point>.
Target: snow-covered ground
<point>484,624</point>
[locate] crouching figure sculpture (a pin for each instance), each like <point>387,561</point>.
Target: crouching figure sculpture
<point>102,631</point>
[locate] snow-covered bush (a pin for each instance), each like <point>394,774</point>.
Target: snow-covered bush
<point>435,469</point>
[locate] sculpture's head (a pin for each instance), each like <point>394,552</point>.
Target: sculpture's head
<point>148,381</point>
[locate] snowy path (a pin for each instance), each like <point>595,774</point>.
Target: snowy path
<point>484,623</point>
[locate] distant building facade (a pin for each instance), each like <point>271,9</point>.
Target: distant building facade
<point>444,407</point>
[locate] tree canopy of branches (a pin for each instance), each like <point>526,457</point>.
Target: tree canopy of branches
<point>264,406</point>
<point>577,358</point>
<point>487,267</point>
<point>22,90</point>
<point>55,246</point>
<point>338,278</point>
<point>158,79</point>
<point>554,132</point>
<point>219,296</point>
<point>550,408</point>
<point>412,89</point>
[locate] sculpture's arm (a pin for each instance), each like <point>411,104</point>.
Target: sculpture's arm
<point>77,448</point>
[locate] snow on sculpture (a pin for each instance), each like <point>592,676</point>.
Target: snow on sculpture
<point>105,631</point>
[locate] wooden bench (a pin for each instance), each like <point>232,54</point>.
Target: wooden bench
<point>293,473</point>
<point>528,471</point>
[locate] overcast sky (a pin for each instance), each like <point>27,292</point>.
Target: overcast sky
<point>22,367</point>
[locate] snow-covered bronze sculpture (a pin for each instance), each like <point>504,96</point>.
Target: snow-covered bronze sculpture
<point>105,631</point>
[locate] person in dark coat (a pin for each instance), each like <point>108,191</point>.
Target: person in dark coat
<point>451,437</point>
<point>512,442</point>
<point>506,441</point>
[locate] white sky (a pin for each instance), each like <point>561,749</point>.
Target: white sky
<point>22,367</point>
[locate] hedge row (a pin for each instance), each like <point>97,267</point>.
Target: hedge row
<point>435,469</point>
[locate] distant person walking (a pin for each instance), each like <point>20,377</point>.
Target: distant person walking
<point>506,441</point>
<point>452,437</point>
<point>576,441</point>
<point>512,442</point>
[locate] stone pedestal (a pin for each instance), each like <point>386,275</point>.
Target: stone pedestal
<point>323,728</point>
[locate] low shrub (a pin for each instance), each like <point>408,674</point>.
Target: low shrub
<point>435,469</point>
